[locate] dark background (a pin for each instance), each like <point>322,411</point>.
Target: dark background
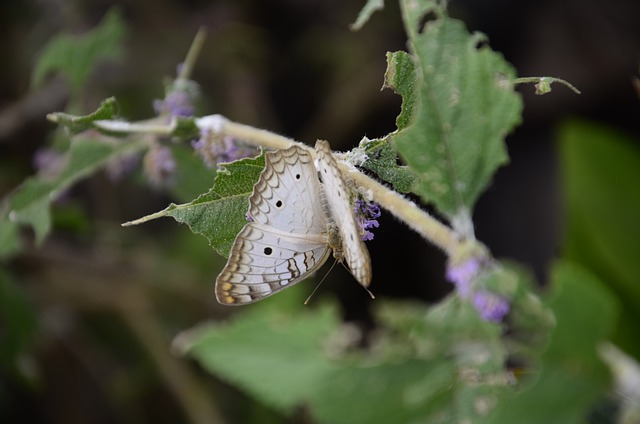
<point>107,301</point>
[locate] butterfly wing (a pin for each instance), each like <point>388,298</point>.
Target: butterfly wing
<point>337,197</point>
<point>286,240</point>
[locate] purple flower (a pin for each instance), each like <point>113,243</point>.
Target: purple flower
<point>159,166</point>
<point>248,216</point>
<point>367,214</point>
<point>463,275</point>
<point>490,306</point>
<point>48,162</point>
<point>176,103</point>
<point>214,149</point>
<point>118,168</point>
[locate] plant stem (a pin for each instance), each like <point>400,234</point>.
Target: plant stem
<point>406,211</point>
<point>525,80</point>
<point>192,54</point>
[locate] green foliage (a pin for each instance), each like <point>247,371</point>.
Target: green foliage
<point>601,172</point>
<point>461,107</point>
<point>382,160</point>
<point>401,77</point>
<point>18,324</point>
<point>192,177</point>
<point>220,213</point>
<point>572,376</point>
<point>419,368</point>
<point>75,57</point>
<point>30,203</point>
<point>76,124</point>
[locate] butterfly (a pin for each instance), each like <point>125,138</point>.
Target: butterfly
<point>295,223</point>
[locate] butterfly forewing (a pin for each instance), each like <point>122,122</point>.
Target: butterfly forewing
<point>337,196</point>
<point>286,240</point>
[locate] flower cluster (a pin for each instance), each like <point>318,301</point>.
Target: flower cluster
<point>175,103</point>
<point>367,214</point>
<point>159,166</point>
<point>490,306</point>
<point>179,98</point>
<point>118,168</point>
<point>214,149</point>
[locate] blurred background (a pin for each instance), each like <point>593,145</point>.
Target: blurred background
<point>94,310</point>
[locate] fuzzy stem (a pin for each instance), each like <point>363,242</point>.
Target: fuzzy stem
<point>525,80</point>
<point>406,211</point>
<point>258,136</point>
<point>192,54</point>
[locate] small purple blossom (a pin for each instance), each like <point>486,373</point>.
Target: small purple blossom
<point>367,214</point>
<point>118,168</point>
<point>463,275</point>
<point>48,162</point>
<point>248,216</point>
<point>159,166</point>
<point>490,306</point>
<point>214,149</point>
<point>176,103</point>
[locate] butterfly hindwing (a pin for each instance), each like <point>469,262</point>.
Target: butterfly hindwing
<point>337,195</point>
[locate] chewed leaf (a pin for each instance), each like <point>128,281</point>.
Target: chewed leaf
<point>29,204</point>
<point>383,160</point>
<point>401,77</point>
<point>218,214</point>
<point>456,110</point>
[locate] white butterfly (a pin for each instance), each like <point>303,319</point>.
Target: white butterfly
<point>293,228</point>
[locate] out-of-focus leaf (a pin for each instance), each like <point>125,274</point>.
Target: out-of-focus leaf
<point>276,357</point>
<point>601,171</point>
<point>29,204</point>
<point>438,365</point>
<point>192,177</point>
<point>572,377</point>
<point>464,106</point>
<point>76,57</point>
<point>18,323</point>
<point>77,124</point>
<point>9,238</point>
<point>218,214</point>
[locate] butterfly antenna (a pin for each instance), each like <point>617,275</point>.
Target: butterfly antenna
<point>366,289</point>
<point>321,281</point>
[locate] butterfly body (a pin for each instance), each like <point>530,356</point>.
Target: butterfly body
<point>291,233</point>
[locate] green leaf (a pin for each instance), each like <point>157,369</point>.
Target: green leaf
<point>75,57</point>
<point>601,170</point>
<point>19,323</point>
<point>572,376</point>
<point>274,356</point>
<point>219,214</point>
<point>443,364</point>
<point>76,124</point>
<point>383,160</point>
<point>192,177</point>
<point>365,14</point>
<point>464,107</point>
<point>30,203</point>
<point>9,238</point>
<point>401,77</point>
